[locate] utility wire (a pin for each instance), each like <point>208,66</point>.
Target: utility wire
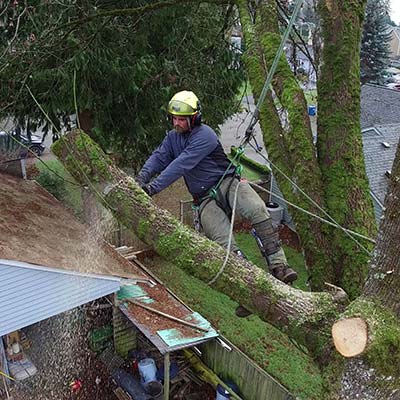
<point>310,213</point>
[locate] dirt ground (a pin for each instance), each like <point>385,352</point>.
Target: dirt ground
<point>61,353</point>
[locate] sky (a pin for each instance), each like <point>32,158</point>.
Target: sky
<point>395,11</point>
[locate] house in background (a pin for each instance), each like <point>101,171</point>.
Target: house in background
<point>394,42</point>
<point>380,144</point>
<point>380,124</point>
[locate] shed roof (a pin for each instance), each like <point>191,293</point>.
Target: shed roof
<point>30,293</point>
<point>37,229</point>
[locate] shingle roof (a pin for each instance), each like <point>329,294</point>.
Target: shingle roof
<point>379,159</point>
<point>379,105</point>
<point>37,229</point>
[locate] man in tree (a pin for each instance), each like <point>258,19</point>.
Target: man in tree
<point>192,150</point>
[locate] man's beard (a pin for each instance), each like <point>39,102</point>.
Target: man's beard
<point>179,129</point>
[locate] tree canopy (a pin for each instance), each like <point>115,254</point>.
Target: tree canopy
<point>122,68</point>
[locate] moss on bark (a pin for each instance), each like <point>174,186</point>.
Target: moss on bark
<point>292,150</point>
<point>383,351</point>
<point>339,139</point>
<point>299,313</point>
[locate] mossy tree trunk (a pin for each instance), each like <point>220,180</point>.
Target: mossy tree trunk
<point>304,316</point>
<point>291,149</point>
<point>375,373</point>
<point>333,174</point>
<point>340,152</point>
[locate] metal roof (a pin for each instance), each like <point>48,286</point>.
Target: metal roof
<point>31,293</point>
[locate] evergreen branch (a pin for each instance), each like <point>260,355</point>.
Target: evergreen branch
<point>128,12</point>
<point>16,31</point>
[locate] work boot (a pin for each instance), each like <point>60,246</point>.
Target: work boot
<point>267,238</point>
<point>283,272</point>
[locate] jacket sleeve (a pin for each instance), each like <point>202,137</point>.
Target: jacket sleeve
<point>200,145</point>
<point>156,163</point>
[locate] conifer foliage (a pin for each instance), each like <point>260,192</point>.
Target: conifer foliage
<point>375,42</point>
<point>125,60</point>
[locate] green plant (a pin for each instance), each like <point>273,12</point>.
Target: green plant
<point>56,180</point>
<point>55,184</point>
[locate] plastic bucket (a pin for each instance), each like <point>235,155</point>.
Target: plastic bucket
<point>147,370</point>
<point>312,110</point>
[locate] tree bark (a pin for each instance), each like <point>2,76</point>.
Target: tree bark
<point>336,179</point>
<point>339,142</point>
<point>291,149</point>
<point>304,316</point>
<point>375,373</point>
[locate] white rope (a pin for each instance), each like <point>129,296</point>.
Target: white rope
<point>334,223</point>
<point>310,213</point>
<point>230,238</point>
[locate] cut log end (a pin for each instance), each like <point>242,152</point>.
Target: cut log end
<point>350,336</point>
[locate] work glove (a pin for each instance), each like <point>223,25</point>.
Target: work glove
<point>140,181</point>
<point>144,185</point>
<point>148,189</point>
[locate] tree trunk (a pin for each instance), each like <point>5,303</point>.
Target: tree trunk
<point>303,315</point>
<point>336,180</point>
<point>375,372</point>
<point>291,149</point>
<point>340,151</point>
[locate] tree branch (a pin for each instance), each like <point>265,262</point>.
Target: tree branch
<point>303,315</point>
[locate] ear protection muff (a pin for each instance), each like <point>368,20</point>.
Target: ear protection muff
<point>196,118</point>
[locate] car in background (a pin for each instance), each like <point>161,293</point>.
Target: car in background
<point>35,144</point>
<point>394,86</point>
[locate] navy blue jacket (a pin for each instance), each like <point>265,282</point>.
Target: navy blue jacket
<point>197,155</point>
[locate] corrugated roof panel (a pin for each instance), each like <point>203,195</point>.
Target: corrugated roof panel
<point>30,294</point>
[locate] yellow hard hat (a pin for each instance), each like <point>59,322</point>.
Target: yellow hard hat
<point>184,103</point>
